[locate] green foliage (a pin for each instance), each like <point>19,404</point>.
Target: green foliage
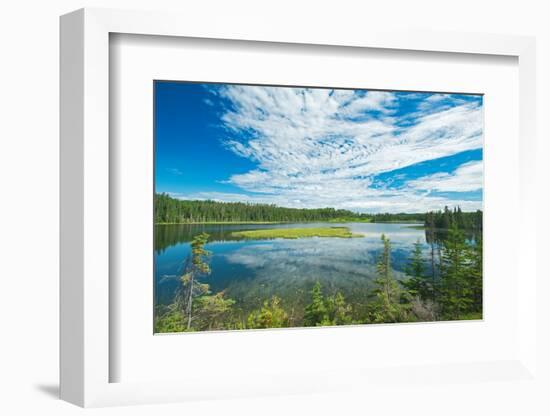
<point>196,266</point>
<point>212,312</point>
<point>476,274</point>
<point>170,320</point>
<point>416,266</point>
<point>417,284</point>
<point>326,311</point>
<point>271,315</point>
<point>470,316</point>
<point>355,218</point>
<point>387,306</point>
<point>293,233</point>
<point>316,311</point>
<point>456,284</point>
<point>454,292</point>
<point>338,311</point>
<point>448,219</point>
<point>171,210</point>
<point>195,309</point>
<point>199,254</point>
<point>399,217</point>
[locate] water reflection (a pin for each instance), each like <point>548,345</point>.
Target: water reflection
<point>253,270</point>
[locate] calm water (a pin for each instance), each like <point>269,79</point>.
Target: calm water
<point>251,271</point>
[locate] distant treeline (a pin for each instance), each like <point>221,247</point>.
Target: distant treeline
<point>400,217</point>
<point>448,218</point>
<point>171,210</point>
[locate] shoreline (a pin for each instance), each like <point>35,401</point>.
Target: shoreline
<point>224,222</point>
<point>284,222</point>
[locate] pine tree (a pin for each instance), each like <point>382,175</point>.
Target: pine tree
<point>459,218</point>
<point>211,312</point>
<point>430,238</point>
<point>417,284</point>
<point>447,219</point>
<point>316,312</point>
<point>476,274</point>
<point>416,265</point>
<point>456,292</point>
<point>196,266</point>
<point>387,307</point>
<point>338,311</point>
<point>271,315</point>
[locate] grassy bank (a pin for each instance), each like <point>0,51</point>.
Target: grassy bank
<point>348,219</point>
<point>339,220</point>
<point>293,233</point>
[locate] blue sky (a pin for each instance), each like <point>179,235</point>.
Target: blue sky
<point>367,151</point>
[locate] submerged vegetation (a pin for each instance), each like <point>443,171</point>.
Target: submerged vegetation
<point>292,233</point>
<point>441,283</point>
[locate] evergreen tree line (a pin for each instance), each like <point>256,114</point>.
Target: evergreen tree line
<point>171,210</point>
<point>399,217</point>
<point>444,285</point>
<point>448,219</point>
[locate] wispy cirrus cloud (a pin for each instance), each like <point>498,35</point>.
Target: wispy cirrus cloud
<point>322,147</point>
<point>467,177</point>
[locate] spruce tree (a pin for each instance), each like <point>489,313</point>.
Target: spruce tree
<point>271,315</point>
<point>476,274</point>
<point>195,267</point>
<point>338,311</point>
<point>387,307</point>
<point>417,284</point>
<point>211,312</point>
<point>316,312</point>
<point>456,290</point>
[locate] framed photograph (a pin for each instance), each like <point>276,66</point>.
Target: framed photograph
<point>257,214</point>
<point>284,207</point>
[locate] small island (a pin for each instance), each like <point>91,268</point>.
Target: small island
<point>293,233</point>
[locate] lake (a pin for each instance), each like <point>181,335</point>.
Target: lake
<point>251,271</point>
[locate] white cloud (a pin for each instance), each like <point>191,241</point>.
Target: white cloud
<point>370,201</point>
<point>383,102</point>
<point>319,147</point>
<point>467,177</point>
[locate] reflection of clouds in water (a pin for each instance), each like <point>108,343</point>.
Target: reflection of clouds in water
<point>288,268</point>
<point>398,234</point>
<point>254,270</point>
<point>306,257</point>
<point>326,255</point>
<point>168,278</point>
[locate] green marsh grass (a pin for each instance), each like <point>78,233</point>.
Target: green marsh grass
<point>293,233</point>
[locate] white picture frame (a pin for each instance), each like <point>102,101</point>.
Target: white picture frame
<point>85,205</point>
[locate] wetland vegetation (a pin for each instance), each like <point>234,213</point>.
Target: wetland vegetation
<point>280,206</point>
<point>252,276</point>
